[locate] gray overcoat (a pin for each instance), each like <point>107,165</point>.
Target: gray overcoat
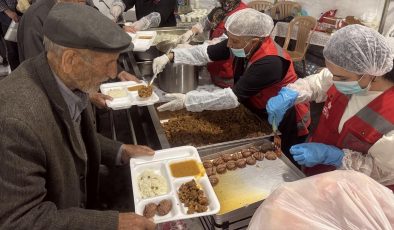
<point>46,182</point>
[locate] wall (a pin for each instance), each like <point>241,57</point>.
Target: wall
<point>370,10</point>
<point>389,24</point>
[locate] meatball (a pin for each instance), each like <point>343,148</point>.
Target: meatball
<point>207,164</point>
<point>214,180</point>
<point>241,163</point>
<point>250,160</point>
<point>246,154</point>
<point>218,161</point>
<point>221,169</point>
<point>270,155</point>
<point>210,171</point>
<point>231,165</point>
<point>164,207</point>
<point>258,156</point>
<point>227,157</point>
<point>150,210</point>
<point>253,149</point>
<point>237,156</point>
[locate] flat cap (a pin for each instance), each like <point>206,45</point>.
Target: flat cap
<point>83,27</point>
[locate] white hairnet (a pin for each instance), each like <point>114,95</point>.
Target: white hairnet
<point>360,50</point>
<point>342,199</point>
<point>249,22</point>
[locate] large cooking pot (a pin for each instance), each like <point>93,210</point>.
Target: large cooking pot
<point>178,78</point>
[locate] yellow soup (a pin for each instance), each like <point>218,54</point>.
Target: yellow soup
<point>185,168</point>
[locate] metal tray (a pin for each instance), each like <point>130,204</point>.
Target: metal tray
<point>240,198</point>
<point>166,115</point>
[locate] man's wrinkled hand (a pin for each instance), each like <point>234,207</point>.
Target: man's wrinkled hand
<point>130,151</point>
<point>132,221</point>
<point>98,99</point>
<point>130,29</point>
<point>12,14</point>
<point>125,76</point>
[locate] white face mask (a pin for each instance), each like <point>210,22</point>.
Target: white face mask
<point>240,52</point>
<point>352,87</point>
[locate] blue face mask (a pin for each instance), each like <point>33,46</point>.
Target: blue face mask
<point>239,52</point>
<point>351,87</point>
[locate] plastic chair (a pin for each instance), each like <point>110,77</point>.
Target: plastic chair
<point>261,6</point>
<point>306,26</point>
<point>282,10</point>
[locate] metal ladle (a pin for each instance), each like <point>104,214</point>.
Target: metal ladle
<point>153,78</point>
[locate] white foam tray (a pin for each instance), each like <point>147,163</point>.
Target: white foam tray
<point>132,97</point>
<point>159,163</point>
<point>141,45</point>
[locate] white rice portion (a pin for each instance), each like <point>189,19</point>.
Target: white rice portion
<point>151,184</point>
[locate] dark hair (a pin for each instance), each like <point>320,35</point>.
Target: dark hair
<point>390,75</point>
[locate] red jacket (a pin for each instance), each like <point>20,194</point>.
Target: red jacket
<point>270,48</point>
<point>222,71</point>
<point>360,132</point>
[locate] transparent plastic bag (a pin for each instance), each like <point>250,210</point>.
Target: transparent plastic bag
<point>342,199</point>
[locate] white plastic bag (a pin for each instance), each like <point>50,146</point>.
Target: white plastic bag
<point>342,199</point>
<point>12,32</point>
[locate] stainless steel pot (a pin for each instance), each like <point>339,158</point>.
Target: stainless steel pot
<point>178,78</point>
<point>146,69</point>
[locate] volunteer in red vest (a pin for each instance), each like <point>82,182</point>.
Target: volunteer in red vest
<point>261,69</point>
<point>221,71</point>
<point>356,128</point>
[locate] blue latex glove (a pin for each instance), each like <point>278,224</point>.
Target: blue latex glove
<point>278,105</point>
<point>311,154</point>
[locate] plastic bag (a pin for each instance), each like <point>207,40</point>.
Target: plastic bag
<point>341,199</point>
<point>198,101</point>
<point>11,34</point>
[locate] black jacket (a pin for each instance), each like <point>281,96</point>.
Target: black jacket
<point>166,8</point>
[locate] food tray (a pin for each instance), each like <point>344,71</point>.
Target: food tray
<point>132,97</point>
<point>142,40</point>
<point>159,163</point>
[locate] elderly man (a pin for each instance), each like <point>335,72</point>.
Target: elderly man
<point>30,39</point>
<point>50,153</point>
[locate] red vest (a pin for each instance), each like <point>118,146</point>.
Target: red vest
<point>270,48</point>
<point>222,71</point>
<point>360,132</point>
